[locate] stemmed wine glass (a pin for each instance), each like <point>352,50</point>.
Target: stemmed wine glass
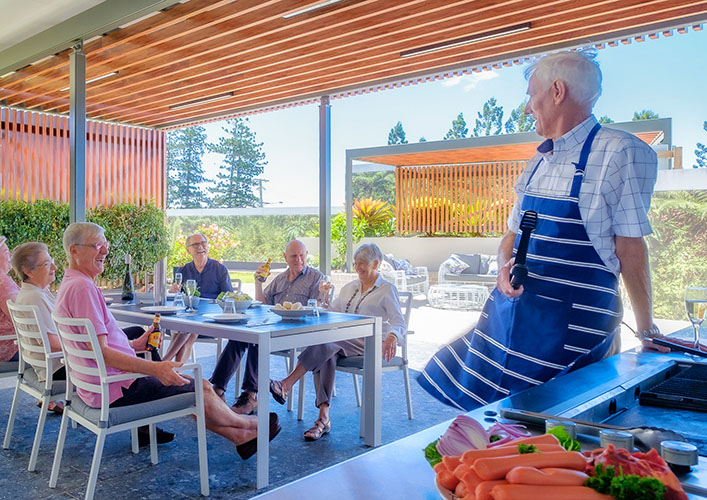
<point>190,288</point>
<point>178,281</point>
<point>324,290</point>
<point>696,305</point>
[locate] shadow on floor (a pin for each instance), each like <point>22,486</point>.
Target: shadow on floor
<point>126,476</point>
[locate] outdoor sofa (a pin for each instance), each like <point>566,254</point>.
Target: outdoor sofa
<point>468,269</point>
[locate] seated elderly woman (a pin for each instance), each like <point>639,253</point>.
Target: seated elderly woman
<point>35,267</point>
<point>369,295</point>
<point>8,290</point>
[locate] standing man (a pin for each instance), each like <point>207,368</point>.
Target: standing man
<point>298,284</point>
<point>211,278</point>
<point>591,188</point>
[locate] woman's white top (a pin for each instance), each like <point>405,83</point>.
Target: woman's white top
<point>31,295</point>
<point>381,300</point>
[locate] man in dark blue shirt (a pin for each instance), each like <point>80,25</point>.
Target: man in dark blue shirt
<point>211,277</point>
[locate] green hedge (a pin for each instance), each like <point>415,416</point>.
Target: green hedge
<point>138,230</point>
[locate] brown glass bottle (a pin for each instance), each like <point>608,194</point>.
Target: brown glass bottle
<point>155,338</point>
<point>263,275</point>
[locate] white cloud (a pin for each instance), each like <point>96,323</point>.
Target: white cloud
<point>470,82</point>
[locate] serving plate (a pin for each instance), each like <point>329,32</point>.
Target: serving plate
<point>161,309</point>
<point>226,318</point>
<point>292,313</point>
<point>109,300</point>
<point>255,303</point>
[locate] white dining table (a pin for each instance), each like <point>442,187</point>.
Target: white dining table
<point>271,333</point>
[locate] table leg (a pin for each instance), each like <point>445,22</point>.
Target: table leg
<point>263,455</point>
<point>372,368</point>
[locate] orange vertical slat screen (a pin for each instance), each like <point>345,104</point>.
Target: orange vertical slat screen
<point>123,164</point>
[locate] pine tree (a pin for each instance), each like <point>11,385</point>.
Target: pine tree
<point>242,163</point>
<point>185,174</point>
<point>458,130</point>
<point>701,152</point>
<point>519,121</point>
<point>605,120</point>
<point>646,114</point>
<point>397,135</point>
<point>422,139</point>
<point>490,119</point>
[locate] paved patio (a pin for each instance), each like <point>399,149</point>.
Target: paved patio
<point>127,476</point>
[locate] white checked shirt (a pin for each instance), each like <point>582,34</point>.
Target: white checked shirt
<point>616,192</point>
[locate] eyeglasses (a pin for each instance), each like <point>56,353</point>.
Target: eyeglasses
<point>46,264</point>
<point>199,244</point>
<point>96,246</point>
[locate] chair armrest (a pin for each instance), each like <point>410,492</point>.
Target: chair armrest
<point>56,355</point>
<point>409,332</point>
<point>124,376</point>
<point>194,367</point>
<point>421,271</point>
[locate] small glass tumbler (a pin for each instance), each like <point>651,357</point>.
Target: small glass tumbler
<point>315,307</point>
<point>229,306</point>
<point>179,300</point>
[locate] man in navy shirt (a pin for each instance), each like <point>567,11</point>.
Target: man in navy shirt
<point>211,277</point>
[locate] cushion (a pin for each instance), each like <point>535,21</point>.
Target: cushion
<point>385,267</point>
<point>357,362</point>
<point>124,414</point>
<point>470,278</point>
<point>454,265</point>
<point>473,262</point>
<point>30,377</point>
<point>9,366</point>
<point>493,267</point>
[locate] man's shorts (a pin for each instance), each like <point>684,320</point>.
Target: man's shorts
<point>146,389</point>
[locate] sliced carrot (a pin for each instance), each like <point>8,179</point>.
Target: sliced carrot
<point>472,456</point>
<point>547,477</point>
<point>484,489</point>
<point>534,492</point>
<point>539,439</point>
<point>497,467</point>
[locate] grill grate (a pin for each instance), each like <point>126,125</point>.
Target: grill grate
<point>685,390</point>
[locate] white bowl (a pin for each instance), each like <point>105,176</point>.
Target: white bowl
<point>241,305</point>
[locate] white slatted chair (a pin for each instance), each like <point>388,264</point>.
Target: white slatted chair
<point>354,364</point>
<point>79,341</point>
<point>35,353</point>
<point>8,368</point>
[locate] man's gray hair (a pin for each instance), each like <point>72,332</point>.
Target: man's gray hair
<point>77,233</point>
<point>196,234</point>
<point>26,256</point>
<point>577,68</point>
<point>368,252</point>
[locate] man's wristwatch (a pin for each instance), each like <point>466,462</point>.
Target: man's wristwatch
<point>651,332</point>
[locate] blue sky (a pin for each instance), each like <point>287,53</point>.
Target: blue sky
<point>668,76</point>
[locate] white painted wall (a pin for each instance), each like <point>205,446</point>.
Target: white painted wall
<point>428,252</point>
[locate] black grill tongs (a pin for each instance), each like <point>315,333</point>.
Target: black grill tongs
<point>520,271</point>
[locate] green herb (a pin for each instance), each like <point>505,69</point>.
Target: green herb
<point>495,438</point>
<point>566,440</point>
<point>625,486</point>
<point>431,453</point>
<point>527,448</point>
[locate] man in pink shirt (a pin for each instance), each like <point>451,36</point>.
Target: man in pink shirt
<point>86,249</point>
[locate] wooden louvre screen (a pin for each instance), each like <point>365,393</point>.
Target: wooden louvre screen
<point>123,164</point>
<point>463,198</point>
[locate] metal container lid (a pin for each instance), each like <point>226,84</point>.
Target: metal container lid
<point>620,439</point>
<point>678,453</point>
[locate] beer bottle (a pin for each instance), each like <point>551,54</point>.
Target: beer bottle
<point>127,281</point>
<point>263,275</point>
<point>154,340</point>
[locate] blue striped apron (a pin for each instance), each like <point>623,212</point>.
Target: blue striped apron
<point>566,317</point>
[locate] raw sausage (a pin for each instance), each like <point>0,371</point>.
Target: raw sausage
<point>444,477</point>
<point>541,439</point>
<point>497,467</point>
<point>472,456</point>
<point>532,492</point>
<point>547,477</point>
<point>483,490</point>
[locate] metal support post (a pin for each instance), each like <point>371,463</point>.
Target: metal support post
<point>77,134</point>
<point>325,186</point>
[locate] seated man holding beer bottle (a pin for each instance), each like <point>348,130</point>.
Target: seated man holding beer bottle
<point>211,278</point>
<point>298,283</point>
<point>86,248</point>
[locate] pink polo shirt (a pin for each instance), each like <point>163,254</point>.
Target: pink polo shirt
<point>79,297</point>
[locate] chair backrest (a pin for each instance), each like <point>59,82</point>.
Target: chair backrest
<point>405,299</point>
<point>32,341</point>
<point>236,284</point>
<point>83,358</point>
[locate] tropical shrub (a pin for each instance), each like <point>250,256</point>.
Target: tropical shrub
<point>220,242</point>
<point>377,214</point>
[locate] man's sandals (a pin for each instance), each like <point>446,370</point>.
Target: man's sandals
<point>317,430</point>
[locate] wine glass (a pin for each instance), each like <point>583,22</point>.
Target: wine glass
<point>696,304</point>
<point>325,283</point>
<point>178,280</point>
<point>190,289</point>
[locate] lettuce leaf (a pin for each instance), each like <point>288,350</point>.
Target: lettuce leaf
<point>431,454</point>
<point>566,440</point>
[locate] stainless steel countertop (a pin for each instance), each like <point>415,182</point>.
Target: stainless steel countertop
<point>399,469</point>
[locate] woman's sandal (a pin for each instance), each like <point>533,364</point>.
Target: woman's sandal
<point>278,393</point>
<point>318,430</point>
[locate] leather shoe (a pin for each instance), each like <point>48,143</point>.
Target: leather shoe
<point>248,449</point>
<point>161,436</point>
<point>278,394</point>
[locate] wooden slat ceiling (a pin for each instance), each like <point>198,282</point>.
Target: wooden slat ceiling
<point>246,52</point>
<point>487,154</point>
